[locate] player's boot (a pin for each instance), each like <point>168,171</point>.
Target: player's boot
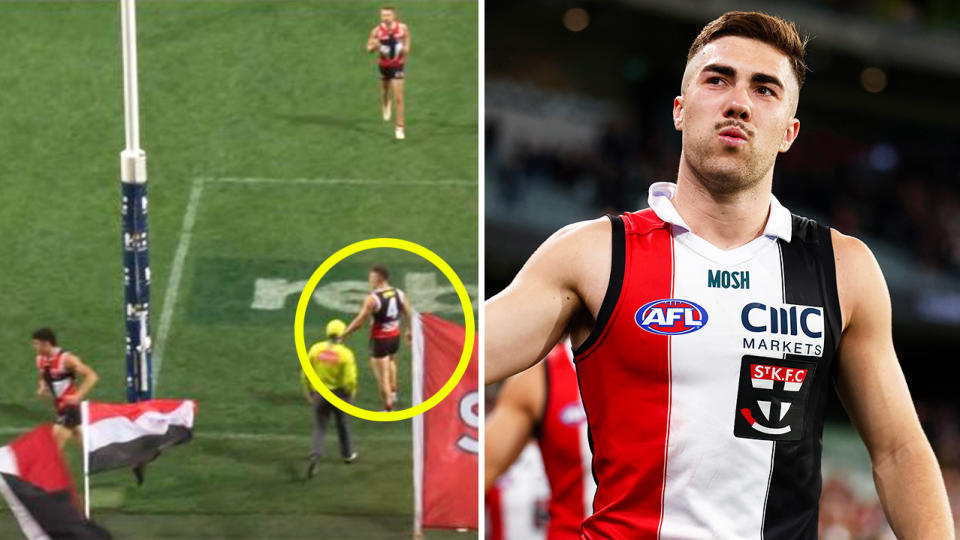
<point>399,133</point>
<point>385,111</point>
<point>312,466</point>
<point>350,459</point>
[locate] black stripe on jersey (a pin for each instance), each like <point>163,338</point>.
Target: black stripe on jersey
<point>809,278</point>
<point>618,260</point>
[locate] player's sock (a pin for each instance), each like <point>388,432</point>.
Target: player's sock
<point>399,133</point>
<point>385,110</point>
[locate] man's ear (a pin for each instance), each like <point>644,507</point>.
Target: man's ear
<point>678,113</point>
<point>790,135</point>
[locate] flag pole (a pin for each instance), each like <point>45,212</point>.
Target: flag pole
<point>84,415</point>
<point>416,398</point>
<point>136,253</point>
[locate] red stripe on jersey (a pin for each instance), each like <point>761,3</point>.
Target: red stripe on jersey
<point>494,514</point>
<point>560,446</point>
<point>625,387</point>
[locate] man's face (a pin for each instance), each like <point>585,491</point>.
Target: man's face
<point>41,347</point>
<point>736,111</point>
<point>386,16</point>
<point>374,280</point>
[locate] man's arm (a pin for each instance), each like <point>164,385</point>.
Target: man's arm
<point>372,41</point>
<point>511,424</point>
<point>567,273</point>
<point>41,386</point>
<point>357,322</point>
<point>89,376</point>
<point>872,388</point>
<point>406,42</point>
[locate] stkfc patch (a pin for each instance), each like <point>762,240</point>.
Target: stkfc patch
<point>772,398</point>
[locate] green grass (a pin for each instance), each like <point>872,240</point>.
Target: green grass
<point>278,90</point>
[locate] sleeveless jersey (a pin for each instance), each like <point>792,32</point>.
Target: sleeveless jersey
<point>516,505</point>
<point>386,317</point>
<point>706,377</point>
<point>565,448</point>
<point>59,380</point>
<point>391,44</point>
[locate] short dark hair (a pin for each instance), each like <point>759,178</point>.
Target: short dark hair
<point>387,8</point>
<point>381,270</point>
<point>45,334</point>
<point>774,31</point>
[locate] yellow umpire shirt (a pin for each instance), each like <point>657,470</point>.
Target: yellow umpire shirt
<point>334,364</point>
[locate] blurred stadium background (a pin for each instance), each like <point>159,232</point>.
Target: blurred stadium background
<point>578,101</point>
<point>281,94</point>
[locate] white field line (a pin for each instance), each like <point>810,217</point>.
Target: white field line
<point>176,273</point>
<point>190,218</point>
<point>240,436</point>
<point>342,181</point>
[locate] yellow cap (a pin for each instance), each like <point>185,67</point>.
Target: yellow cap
<point>335,328</point>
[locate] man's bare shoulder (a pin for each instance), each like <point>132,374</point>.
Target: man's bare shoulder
<point>582,236</point>
<point>859,278</point>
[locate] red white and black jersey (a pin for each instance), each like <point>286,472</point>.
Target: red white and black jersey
<point>59,379</point>
<point>706,379</point>
<point>516,505</point>
<point>388,305</point>
<point>391,40</point>
<point>565,447</point>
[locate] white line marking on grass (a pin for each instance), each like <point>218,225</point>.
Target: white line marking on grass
<point>190,217</point>
<point>343,181</point>
<point>176,273</point>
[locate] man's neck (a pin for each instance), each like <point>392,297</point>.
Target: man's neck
<point>727,220</point>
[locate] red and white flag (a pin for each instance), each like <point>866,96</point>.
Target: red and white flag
<point>37,486</point>
<point>445,438</point>
<point>130,434</point>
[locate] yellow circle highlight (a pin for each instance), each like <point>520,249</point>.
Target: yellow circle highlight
<point>364,245</point>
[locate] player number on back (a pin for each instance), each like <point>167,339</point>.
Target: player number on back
<point>392,309</point>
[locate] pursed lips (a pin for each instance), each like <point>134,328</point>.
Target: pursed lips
<point>732,136</point>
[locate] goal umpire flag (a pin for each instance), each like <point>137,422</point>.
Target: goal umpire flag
<point>37,486</point>
<point>132,434</point>
<point>445,438</point>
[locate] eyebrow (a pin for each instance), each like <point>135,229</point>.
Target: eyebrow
<point>761,78</point>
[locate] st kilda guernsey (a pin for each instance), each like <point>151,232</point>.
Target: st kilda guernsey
<point>706,378</point>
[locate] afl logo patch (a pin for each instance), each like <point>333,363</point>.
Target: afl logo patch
<point>671,317</point>
<point>573,414</point>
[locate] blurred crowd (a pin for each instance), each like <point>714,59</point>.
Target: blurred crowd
<point>905,192</point>
<point>928,13</point>
<point>846,514</point>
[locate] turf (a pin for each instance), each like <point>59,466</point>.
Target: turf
<point>236,89</point>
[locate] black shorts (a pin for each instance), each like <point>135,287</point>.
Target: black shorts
<point>385,347</point>
<point>68,417</point>
<point>387,73</point>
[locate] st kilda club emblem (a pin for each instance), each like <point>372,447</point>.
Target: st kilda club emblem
<point>772,398</point>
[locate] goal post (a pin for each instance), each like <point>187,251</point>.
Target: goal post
<point>136,251</point>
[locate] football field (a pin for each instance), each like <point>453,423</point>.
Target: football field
<point>266,154</point>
